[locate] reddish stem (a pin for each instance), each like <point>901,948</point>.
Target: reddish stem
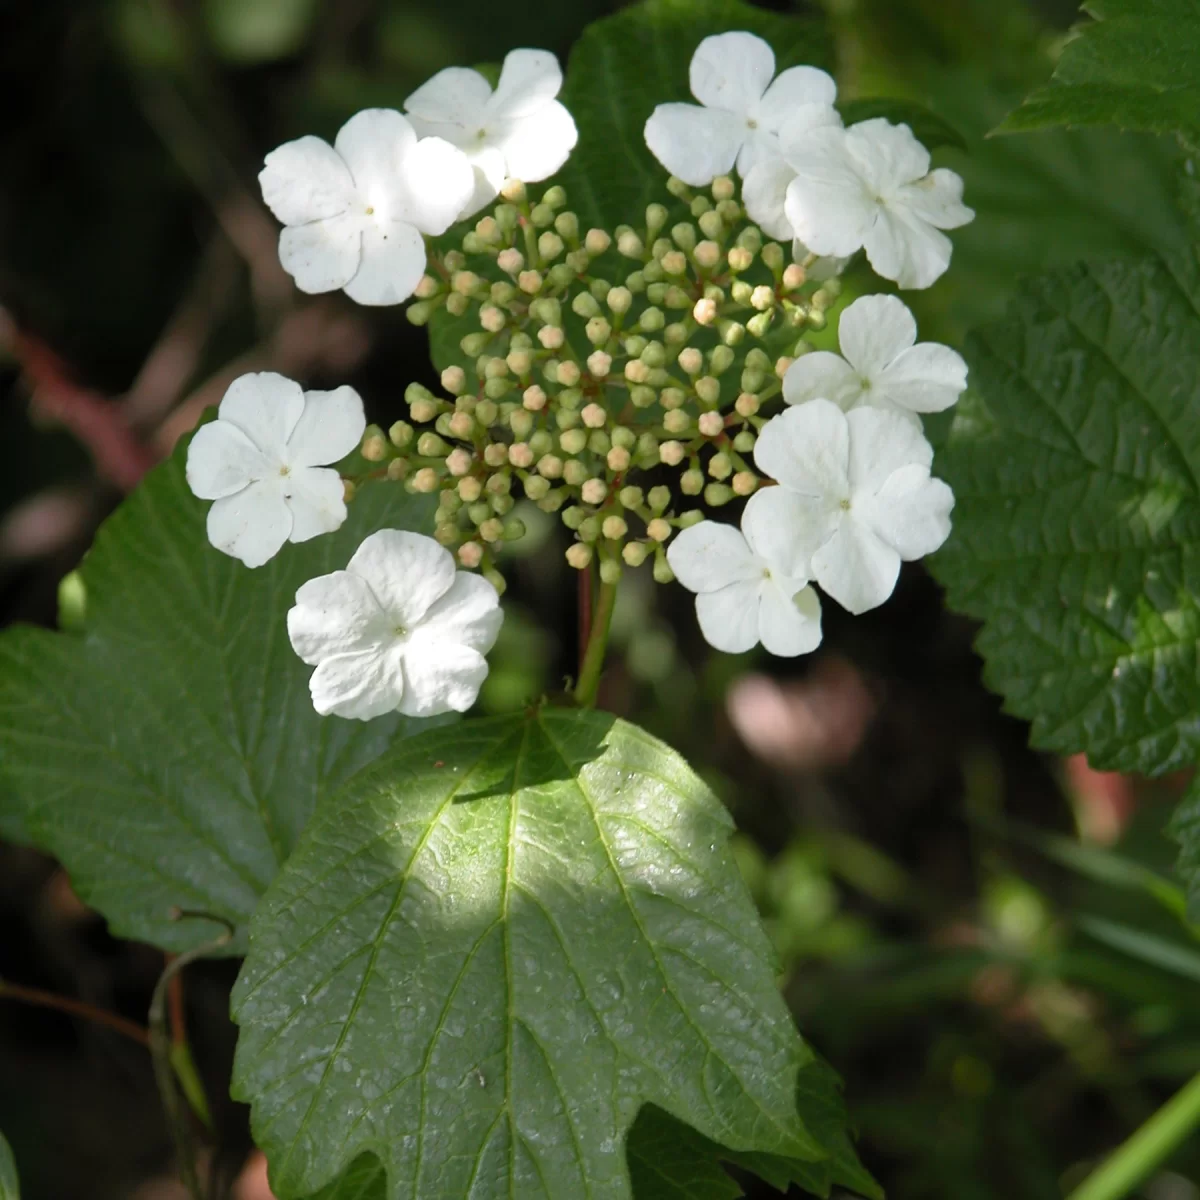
<point>75,1008</point>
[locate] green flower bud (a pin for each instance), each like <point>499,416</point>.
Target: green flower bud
<point>486,412</point>
<point>691,482</point>
<point>474,344</point>
<point>711,225</point>
<point>675,334</point>
<point>701,204</point>
<point>442,424</point>
<point>631,497</point>
<point>599,442</point>
<point>497,389</point>
<point>629,244</point>
<point>653,273</point>
<point>555,197</point>
<point>662,570</point>
<point>720,466</point>
<point>567,225</point>
<point>720,359</point>
<point>656,293</point>
<point>684,236</point>
<point>750,239</point>
<point>479,512</point>
<point>508,217</point>
<point>541,442</point>
<point>659,498</point>
<point>619,299</point>
<point>652,320</point>
<point>541,216</point>
<point>573,517</point>
<point>752,381</point>
<point>743,442</point>
<point>550,245</point>
<point>520,422</point>
<point>566,418</point>
<point>553,500</point>
<point>429,445</point>
<point>772,255</point>
<point>401,433</point>
<point>708,388</point>
<point>692,517</point>
<point>678,188</point>
<point>589,529</point>
<point>634,553</point>
<point>610,571</point>
<point>760,323</point>
<point>647,449</point>
<point>535,487</point>
<point>573,441</point>
<point>636,282</point>
<point>562,274</point>
<point>653,354</point>
<point>656,218</point>
<point>456,304</point>
<point>642,396</point>
<point>623,436</point>
<point>717,494</point>
<point>585,305</point>
<point>419,313</point>
<point>731,332</point>
<point>740,292</point>
<point>674,262</point>
<point>502,505</point>
<point>575,472</point>
<point>577,261</point>
<point>598,331</point>
<point>514,529</point>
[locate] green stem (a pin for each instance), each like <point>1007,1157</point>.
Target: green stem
<point>597,643</point>
<point>1146,1150</point>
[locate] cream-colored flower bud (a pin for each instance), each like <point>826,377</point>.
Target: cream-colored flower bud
<point>569,373</point>
<point>567,225</point>
<point>747,404</point>
<point>596,241</point>
<point>374,445</point>
<point>708,389</point>
<point>425,480</point>
<point>614,528</point>
<point>618,459</point>
<point>427,286</point>
<point>740,259</point>
<point>634,553</point>
<point>495,454</point>
<point>535,487</point>
<point>492,530</point>
<point>691,482</point>
<point>594,416</point>
<point>461,425</point>
<point>579,556</point>
<point>636,371</point>
<point>658,529</point>
<point>470,489</point>
<point>534,398</point>
<point>575,472</point>
<point>711,424</point>
<point>550,245</point>
<point>550,466</point>
<point>422,411</point>
<point>511,261</point>
<point>783,365</point>
<point>630,245</point>
<point>744,483</point>
<point>705,311</point>
<point>794,276</point>
<point>551,337</point>
<point>594,492</point>
<point>599,364</point>
<point>513,191</point>
<point>672,397</point>
<point>733,333</point>
<point>671,453</point>
<point>723,188</point>
<point>456,305</point>
<point>465,282</point>
<point>470,555</point>
<point>454,380</point>
<point>598,331</point>
<point>619,299</point>
<point>458,462</point>
<point>674,262</point>
<point>720,466</point>
<point>530,282</point>
<point>631,497</point>
<point>520,455</point>
<point>707,254</point>
<point>677,421</point>
<point>762,298</point>
<point>691,360</point>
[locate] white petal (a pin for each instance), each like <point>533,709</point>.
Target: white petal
<point>440,678</point>
<point>788,623</point>
<point>306,180</point>
<point>375,144</point>
<point>764,191</point>
<point>696,144</point>
<point>432,185</point>
<point>880,443</point>
<point>456,96</point>
<point>393,261</point>
<point>928,378</point>
<point>911,512</point>
<point>535,146</point>
<point>829,203</point>
<point>222,460</point>
<point>335,614</point>
<point>732,71</point>
<point>317,498</point>
<point>322,256</point>
<point>251,524</point>
<point>528,79</point>
<point>873,331</point>
<point>711,555</point>
<point>906,249</point>
<point>358,686</point>
<point>408,572</point>
<point>729,618</point>
<point>857,568</point>
<point>759,146</point>
<point>889,155</point>
<point>265,407</point>
<point>330,427</point>
<point>469,614</point>
<point>786,529</point>
<point>822,374</point>
<point>798,89</point>
<point>807,449</point>
<point>821,268</point>
<point>937,199</point>
<point>491,172</point>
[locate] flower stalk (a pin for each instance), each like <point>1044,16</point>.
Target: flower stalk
<point>590,669</point>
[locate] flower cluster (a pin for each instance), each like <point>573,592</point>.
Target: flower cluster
<point>621,379</point>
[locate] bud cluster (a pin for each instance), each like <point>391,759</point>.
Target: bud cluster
<point>595,364</point>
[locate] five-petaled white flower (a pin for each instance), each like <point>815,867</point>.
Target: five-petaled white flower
<point>870,187</point>
<point>882,367</point>
<point>399,629</point>
<point>263,462</point>
<point>354,212</point>
<point>741,111</point>
<point>519,131</point>
<point>855,497</point>
<point>751,586</point>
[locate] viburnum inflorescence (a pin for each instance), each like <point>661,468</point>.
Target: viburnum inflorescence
<point>625,379</point>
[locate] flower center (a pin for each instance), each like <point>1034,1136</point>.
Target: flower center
<point>845,504</point>
<point>285,470</point>
<point>399,632</point>
<point>370,210</point>
<point>751,123</point>
<point>481,135</point>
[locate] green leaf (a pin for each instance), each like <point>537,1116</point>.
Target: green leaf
<point>1185,829</point>
<point>9,1189</point>
<point>491,949</point>
<point>169,754</point>
<point>1076,468</point>
<point>1137,66</point>
<point>624,65</point>
<point>364,1180</point>
<point>670,1161</point>
<point>927,126</point>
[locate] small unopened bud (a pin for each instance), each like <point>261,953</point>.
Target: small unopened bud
<point>486,412</point>
<point>458,462</point>
<point>579,556</point>
<point>723,188</point>
<point>684,235</point>
<point>530,282</point>
<point>492,530</point>
<point>618,459</point>
<point>568,373</point>
<point>594,416</point>
<point>454,380</point>
<point>470,489</point>
<point>536,487</point>
<point>783,365</point>
<point>708,389</point>
<point>425,480</point>
<point>426,288</point>
<point>711,226</point>
<point>659,498</point>
<point>707,254</point>
<point>610,571</point>
<point>677,421</point>
<point>374,444</point>
<point>511,261</point>
<point>466,282</point>
<point>712,424</point>
<point>473,344</point>
<point>598,331</point>
<point>619,299</point>
<point>744,442</point>
<point>575,472</point>
<point>720,359</point>
<point>550,466</point>
<point>630,245</point>
<point>794,276</point>
<point>429,445</point>
<point>691,482</point>
<point>662,569</point>
<point>495,454</point>
<point>401,433</point>
<point>553,500</point>
<point>760,323</point>
<point>744,483</point>
<point>470,555</point>
<point>705,311</point>
<point>520,455</point>
<point>573,441</point>
<point>733,333</point>
<point>674,262</point>
<point>614,528</point>
<point>585,305</point>
<point>631,497</point>
<point>599,364</point>
<point>691,360</point>
<point>658,529</point>
<point>720,466</point>
<point>678,188</point>
<point>747,404</point>
<point>492,318</point>
<point>456,305</point>
<point>599,442</point>
<point>593,492</point>
<point>551,337</point>
<point>634,553</point>
<point>652,320</point>
<point>636,371</point>
<point>671,453</point>
<point>740,259</point>
<point>596,241</point>
<point>762,298</point>
<point>672,397</point>
<point>550,245</point>
<point>772,255</point>
<point>717,494</point>
<point>461,425</point>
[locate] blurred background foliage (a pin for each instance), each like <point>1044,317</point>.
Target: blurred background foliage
<point>988,944</point>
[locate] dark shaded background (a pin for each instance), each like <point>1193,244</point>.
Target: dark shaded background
<point>938,948</point>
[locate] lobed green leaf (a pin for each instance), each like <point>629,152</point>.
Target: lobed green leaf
<point>491,949</point>
<point>168,754</point>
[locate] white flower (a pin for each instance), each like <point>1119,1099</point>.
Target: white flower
<point>354,212</point>
<point>882,367</point>
<point>519,131</point>
<point>262,461</point>
<point>765,186</point>
<point>856,497</point>
<point>742,111</point>
<point>398,629</point>
<point>751,586</point>
<point>870,186</point>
